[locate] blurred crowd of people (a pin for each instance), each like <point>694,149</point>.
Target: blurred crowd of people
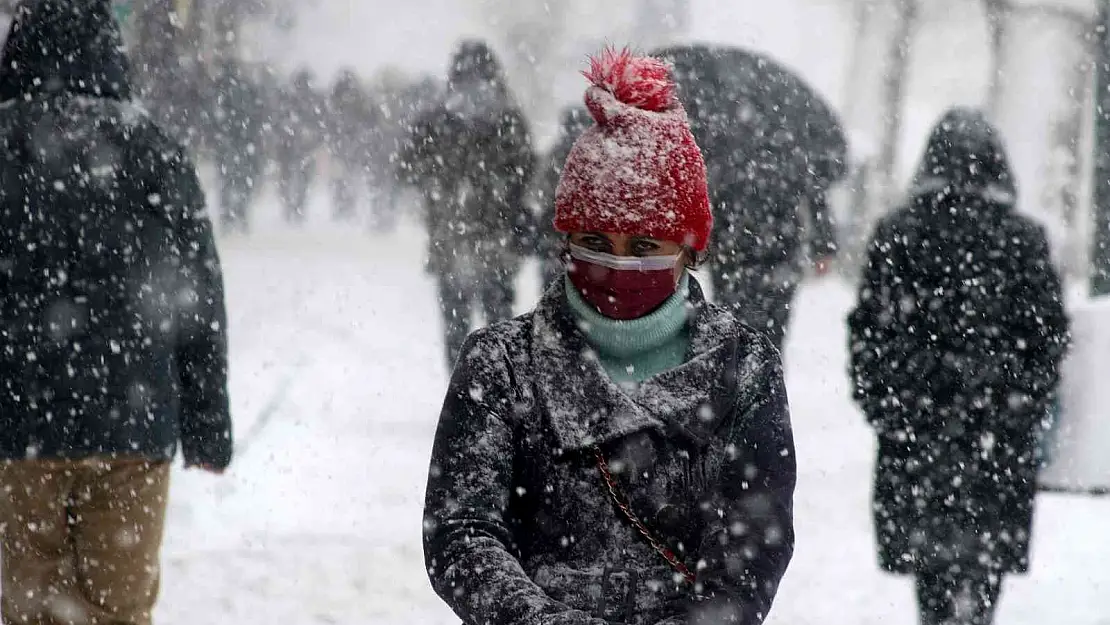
<point>258,126</point>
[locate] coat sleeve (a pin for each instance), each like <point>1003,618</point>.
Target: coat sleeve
<point>1042,321</point>
<point>469,550</point>
<point>750,532</point>
<point>868,327</point>
<point>201,350</point>
<point>875,343</point>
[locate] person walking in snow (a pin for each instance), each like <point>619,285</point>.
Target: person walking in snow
<point>623,453</point>
<point>548,243</point>
<point>113,324</point>
<point>956,344</point>
<point>239,142</point>
<point>348,116</point>
<point>299,137</point>
<point>473,159</point>
<point>384,136</point>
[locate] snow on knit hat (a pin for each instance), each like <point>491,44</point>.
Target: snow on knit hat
<point>637,171</point>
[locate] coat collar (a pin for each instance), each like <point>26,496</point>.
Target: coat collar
<point>585,407</point>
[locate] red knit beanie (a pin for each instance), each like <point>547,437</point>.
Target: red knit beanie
<point>638,171</point>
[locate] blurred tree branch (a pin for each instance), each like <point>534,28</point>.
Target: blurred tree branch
<point>894,88</point>
<point>531,36</point>
<point>883,36</point>
<point>997,13</point>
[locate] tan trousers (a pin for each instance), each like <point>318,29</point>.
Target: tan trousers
<point>81,540</point>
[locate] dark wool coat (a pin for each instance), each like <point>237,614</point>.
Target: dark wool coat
<point>111,300</point>
<point>519,527</point>
<point>955,348</point>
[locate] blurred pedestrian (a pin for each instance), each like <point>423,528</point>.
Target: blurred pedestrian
<point>239,142</point>
<point>114,324</point>
<point>472,157</point>
<point>956,344</point>
<point>300,135</point>
<point>623,453</point>
<point>549,244</point>
<point>348,142</point>
<point>384,141</point>
<point>773,149</point>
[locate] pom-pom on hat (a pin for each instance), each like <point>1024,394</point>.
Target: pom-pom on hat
<point>637,171</point>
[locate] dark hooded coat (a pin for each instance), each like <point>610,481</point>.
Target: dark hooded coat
<point>110,288</point>
<point>956,343</point>
<point>519,527</point>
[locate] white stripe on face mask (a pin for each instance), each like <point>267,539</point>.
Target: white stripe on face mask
<point>624,263</point>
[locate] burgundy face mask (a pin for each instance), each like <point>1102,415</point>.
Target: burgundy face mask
<point>622,287</point>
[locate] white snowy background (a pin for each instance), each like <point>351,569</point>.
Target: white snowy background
<point>337,379</point>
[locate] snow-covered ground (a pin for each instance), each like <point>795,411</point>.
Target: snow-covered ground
<point>336,381</point>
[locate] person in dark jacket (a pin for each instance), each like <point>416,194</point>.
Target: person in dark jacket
<point>956,345</point>
<point>385,134</point>
<point>348,116</point>
<point>239,142</point>
<point>623,453</point>
<point>770,223</point>
<point>299,137</point>
<point>113,321</point>
<point>473,159</point>
<point>549,244</point>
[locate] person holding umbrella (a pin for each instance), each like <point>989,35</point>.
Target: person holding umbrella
<point>759,259</point>
<point>623,453</point>
<point>956,345</point>
<point>237,101</point>
<point>773,148</point>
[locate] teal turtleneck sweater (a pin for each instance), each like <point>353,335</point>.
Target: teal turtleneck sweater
<point>633,351</point>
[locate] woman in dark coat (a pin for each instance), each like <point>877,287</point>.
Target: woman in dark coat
<point>955,347</point>
<point>623,453</point>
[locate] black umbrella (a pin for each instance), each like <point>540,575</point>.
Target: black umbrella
<point>751,114</point>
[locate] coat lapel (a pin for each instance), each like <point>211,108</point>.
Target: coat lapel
<point>585,407</point>
<point>693,398</point>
